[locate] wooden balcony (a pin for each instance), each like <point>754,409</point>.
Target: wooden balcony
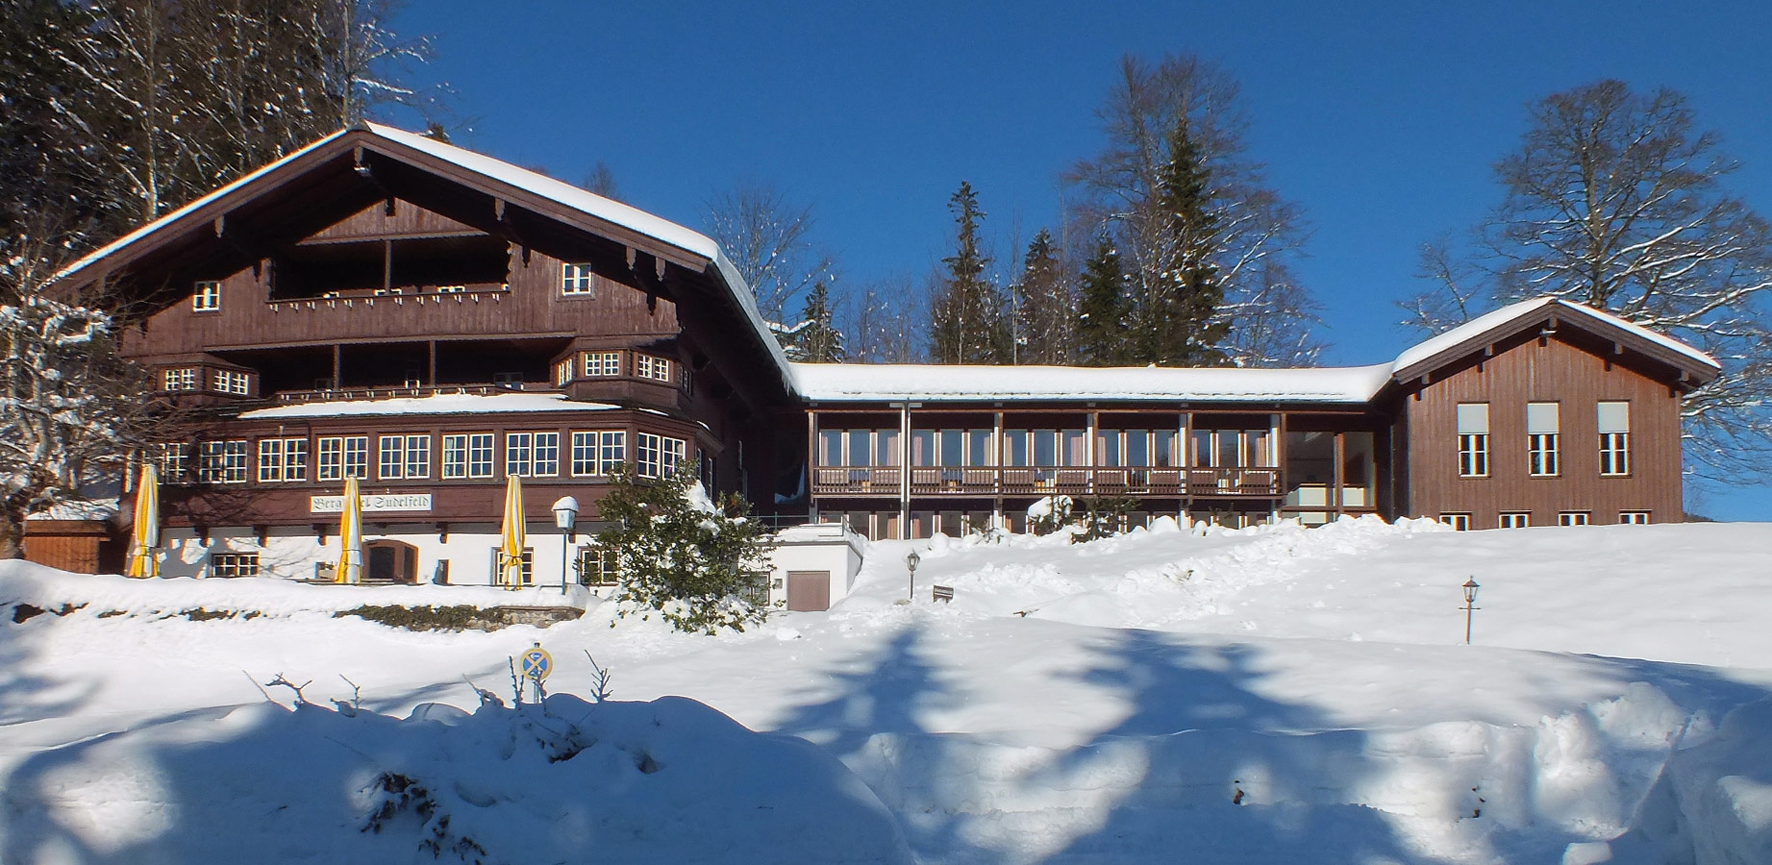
<point>405,391</point>
<point>1019,481</point>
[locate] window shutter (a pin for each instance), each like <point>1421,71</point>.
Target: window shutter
<point>1541,418</point>
<point>1614,417</point>
<point>1473,418</point>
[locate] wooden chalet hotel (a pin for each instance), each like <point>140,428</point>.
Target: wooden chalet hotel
<point>388,307</point>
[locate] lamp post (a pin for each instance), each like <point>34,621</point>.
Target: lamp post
<point>911,561</point>
<point>565,517</point>
<point>1470,599</point>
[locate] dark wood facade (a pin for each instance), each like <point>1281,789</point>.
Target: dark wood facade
<point>374,267</point>
<point>1575,370</point>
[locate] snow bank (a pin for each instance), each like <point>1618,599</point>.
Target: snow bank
<point>670,781</point>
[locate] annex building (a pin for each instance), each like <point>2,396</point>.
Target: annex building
<point>430,321</point>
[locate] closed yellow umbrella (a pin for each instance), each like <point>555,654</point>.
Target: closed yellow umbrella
<point>144,536</point>
<point>512,537</point>
<point>350,537</point>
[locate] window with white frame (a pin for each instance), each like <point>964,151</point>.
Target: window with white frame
<point>1473,440</point>
<point>601,364</point>
<point>1614,420</point>
<point>1516,519</point>
<point>404,456</point>
<point>657,456</point>
<point>340,457</point>
<point>1458,522</point>
<point>174,462</point>
<point>179,378</point>
<point>532,454</point>
<point>1633,518</point>
<point>228,565</point>
<point>526,566</point>
<point>598,565</point>
<point>577,280</point>
<point>467,455</point>
<point>656,368</point>
<point>206,297</point>
<point>223,462</point>
<point>1542,432</point>
<point>229,381</point>
<point>563,373</point>
<point>597,452</point>
<point>1572,518</point>
<point>282,459</point>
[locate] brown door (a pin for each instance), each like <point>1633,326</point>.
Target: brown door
<point>809,591</point>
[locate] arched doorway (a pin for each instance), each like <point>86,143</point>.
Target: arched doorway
<point>390,562</point>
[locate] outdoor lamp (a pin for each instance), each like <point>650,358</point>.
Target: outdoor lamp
<point>565,517</point>
<point>911,559</point>
<point>1470,603</point>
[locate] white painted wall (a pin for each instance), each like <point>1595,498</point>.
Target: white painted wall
<point>292,553</point>
<point>829,547</point>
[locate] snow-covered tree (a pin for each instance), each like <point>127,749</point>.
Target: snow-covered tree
<point>879,324</point>
<point>113,112</point>
<point>680,555</point>
<point>1238,225</point>
<point>1616,199</point>
<point>815,338</point>
<point>769,240</point>
<point>969,321</point>
<point>1101,309</point>
<point>70,410</point>
<point>1045,310</point>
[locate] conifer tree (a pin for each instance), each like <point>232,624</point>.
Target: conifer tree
<point>1101,309</point>
<point>1045,312</point>
<point>1178,323</point>
<point>968,322</point>
<point>817,339</point>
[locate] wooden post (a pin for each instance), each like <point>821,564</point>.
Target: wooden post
<point>431,378</point>
<point>904,471</point>
<point>387,265</point>
<point>337,366</point>
<point>813,458</point>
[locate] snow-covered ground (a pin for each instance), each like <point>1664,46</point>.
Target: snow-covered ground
<point>1268,695</point>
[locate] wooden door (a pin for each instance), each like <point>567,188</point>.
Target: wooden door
<point>809,591</point>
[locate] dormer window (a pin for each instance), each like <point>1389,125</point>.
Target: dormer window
<point>576,280</point>
<point>206,297</point>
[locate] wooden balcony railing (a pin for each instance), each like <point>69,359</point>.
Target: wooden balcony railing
<point>393,391</point>
<point>1045,481</point>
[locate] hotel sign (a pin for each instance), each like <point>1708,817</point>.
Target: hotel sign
<point>371,503</point>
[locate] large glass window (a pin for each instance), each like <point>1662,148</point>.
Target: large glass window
<point>532,454</point>
<point>283,459</point>
<point>404,456</point>
<point>340,457</point>
<point>467,455</point>
<point>598,452</point>
<point>223,462</point>
<point>657,456</point>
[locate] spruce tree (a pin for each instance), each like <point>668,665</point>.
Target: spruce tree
<point>817,339</point>
<point>1179,325</point>
<point>968,319</point>
<point>1102,339</point>
<point>1044,309</point>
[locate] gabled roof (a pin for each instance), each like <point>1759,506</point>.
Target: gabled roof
<point>1485,330</point>
<point>340,153</point>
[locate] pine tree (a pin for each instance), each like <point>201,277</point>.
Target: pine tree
<point>680,555</point>
<point>969,324</point>
<point>1044,309</point>
<point>1178,323</point>
<point>1101,309</point>
<point>816,339</point>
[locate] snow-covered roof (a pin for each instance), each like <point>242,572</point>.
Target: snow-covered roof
<point>429,405</point>
<point>829,382</point>
<point>1501,318</point>
<point>556,191</point>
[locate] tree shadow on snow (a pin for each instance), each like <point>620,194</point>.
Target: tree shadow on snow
<point>26,697</point>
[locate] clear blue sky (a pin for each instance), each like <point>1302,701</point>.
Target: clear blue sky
<point>1381,120</point>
